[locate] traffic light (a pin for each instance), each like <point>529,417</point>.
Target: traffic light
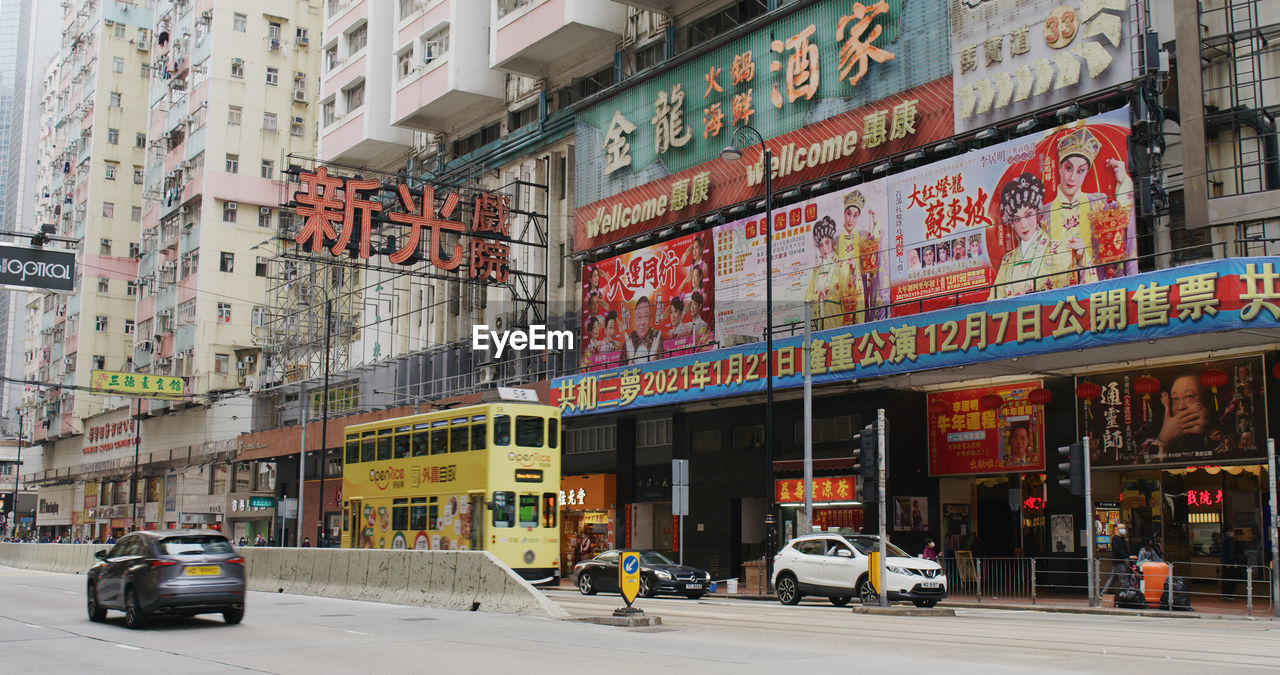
<point>867,461</point>
<point>1071,472</point>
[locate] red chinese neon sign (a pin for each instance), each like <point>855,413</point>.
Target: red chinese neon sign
<point>337,215</point>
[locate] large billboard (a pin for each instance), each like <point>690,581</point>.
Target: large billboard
<point>846,82</point>
<point>966,438</point>
<point>1010,58</point>
<point>1200,412</point>
<point>652,303</point>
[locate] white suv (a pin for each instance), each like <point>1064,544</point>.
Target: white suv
<point>835,566</point>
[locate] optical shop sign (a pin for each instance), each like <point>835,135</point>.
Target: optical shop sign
<point>1213,296</point>
<point>37,268</point>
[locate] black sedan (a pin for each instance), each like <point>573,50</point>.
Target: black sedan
<point>658,574</point>
<point>169,573</point>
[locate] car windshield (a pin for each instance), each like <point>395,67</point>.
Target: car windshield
<point>195,545</point>
<point>866,545</point>
<point>655,558</point>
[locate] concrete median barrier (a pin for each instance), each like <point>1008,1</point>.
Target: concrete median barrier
<point>461,580</point>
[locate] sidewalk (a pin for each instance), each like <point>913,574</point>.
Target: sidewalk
<point>1203,607</point>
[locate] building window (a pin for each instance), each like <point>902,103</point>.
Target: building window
<point>297,127</point>
<point>264,218</point>
<point>112,168</point>
<point>259,317</point>
<point>358,38</point>
<point>435,45</point>
<point>100,324</point>
<point>506,7</point>
<point>227,262</point>
<point>269,123</point>
<point>239,22</point>
<point>104,285</point>
<point>140,140</point>
<point>234,114</point>
<point>404,63</point>
<point>331,58</point>
<point>406,8</point>
<point>273,30</point>
<point>130,290</point>
<point>117,65</point>
<point>329,113</point>
<point>119,31</point>
<point>115,99</point>
<point>233,163</point>
<point>135,214</point>
<point>302,36</point>
<point>229,212</point>
<point>129,327</point>
<point>268,169</point>
<point>137,175</point>
<point>355,97</point>
<point>105,247</point>
<point>224,312</point>
<point>220,363</point>
<point>113,136</point>
<point>99,362</point>
<point>237,68</point>
<point>145,71</point>
<point>273,76</point>
<point>260,267</point>
<point>108,210</point>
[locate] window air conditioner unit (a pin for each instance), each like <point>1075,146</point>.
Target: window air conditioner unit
<point>180,85</point>
<point>264,210</point>
<point>303,40</point>
<point>108,22</point>
<point>299,120</point>
<point>299,73</point>
<point>299,96</point>
<point>232,206</point>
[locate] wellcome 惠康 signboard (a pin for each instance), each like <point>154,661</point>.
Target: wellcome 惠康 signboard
<point>832,85</point>
<point>1014,57</point>
<point>1220,295</point>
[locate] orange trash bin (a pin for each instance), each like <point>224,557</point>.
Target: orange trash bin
<point>1154,577</point>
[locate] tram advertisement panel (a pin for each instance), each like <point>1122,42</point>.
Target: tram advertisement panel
<point>1176,415</point>
<point>970,431</point>
<point>1043,211</point>
<point>655,302</point>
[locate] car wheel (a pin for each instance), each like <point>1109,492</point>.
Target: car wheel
<point>693,596</point>
<point>134,617</point>
<point>584,584</point>
<point>787,588</point>
<point>840,601</point>
<point>646,588</point>
<point>96,612</point>
<point>925,603</point>
<point>233,616</point>
<point>866,592</point>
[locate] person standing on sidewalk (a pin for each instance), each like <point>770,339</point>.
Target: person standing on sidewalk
<point>1119,560</point>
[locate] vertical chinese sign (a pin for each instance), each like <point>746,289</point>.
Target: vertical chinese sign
<point>966,437</point>
<point>1195,413</point>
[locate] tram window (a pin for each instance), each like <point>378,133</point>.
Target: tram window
<point>346,516</point>
<point>353,452</point>
<point>439,441</point>
<point>501,430</point>
<point>421,443</point>
<point>529,431</point>
<point>433,515</point>
<point>402,446</point>
<point>458,439</point>
<point>529,509</point>
<point>548,509</point>
<point>477,437</point>
<point>418,513</point>
<point>367,450</point>
<point>553,433</point>
<point>504,509</point>
<point>384,448</point>
<point>399,517</point>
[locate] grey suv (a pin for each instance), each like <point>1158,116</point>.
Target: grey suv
<point>167,572</point>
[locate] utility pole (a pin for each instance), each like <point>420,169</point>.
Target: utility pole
<point>1275,527</point>
<point>807,526</point>
<point>1088,522</point>
<point>884,549</point>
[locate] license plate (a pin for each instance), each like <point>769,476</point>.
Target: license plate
<point>201,571</point>
<point>693,586</point>
<point>931,584</point>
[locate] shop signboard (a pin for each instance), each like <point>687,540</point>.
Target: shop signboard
<point>966,438</point>
<point>591,492</point>
<point>139,385</point>
<point>1198,413</point>
<point>848,63</point>
<point>23,267</point>
<point>1219,295</point>
<point>1013,57</point>
<point>825,489</point>
<point>171,493</point>
<point>657,301</point>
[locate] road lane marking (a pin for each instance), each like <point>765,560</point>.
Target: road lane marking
<point>31,625</point>
<point>129,647</point>
<point>356,632</point>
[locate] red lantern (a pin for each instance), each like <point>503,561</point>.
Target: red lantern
<point>938,407</point>
<point>990,402</point>
<point>1146,385</point>
<point>1040,396</point>
<point>1213,378</point>
<point>1088,390</point>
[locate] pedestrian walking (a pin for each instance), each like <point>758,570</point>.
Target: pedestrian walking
<point>1119,560</point>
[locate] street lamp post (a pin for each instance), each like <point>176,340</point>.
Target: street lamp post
<point>732,153</point>
<point>17,471</point>
<point>324,416</point>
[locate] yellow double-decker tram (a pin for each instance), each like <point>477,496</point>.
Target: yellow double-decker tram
<point>484,477</point>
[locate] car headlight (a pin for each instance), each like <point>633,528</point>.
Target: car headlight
<point>897,570</point>
<point>663,574</point>
<point>706,576</point>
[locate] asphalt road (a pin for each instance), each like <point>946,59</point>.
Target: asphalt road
<point>43,629</point>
